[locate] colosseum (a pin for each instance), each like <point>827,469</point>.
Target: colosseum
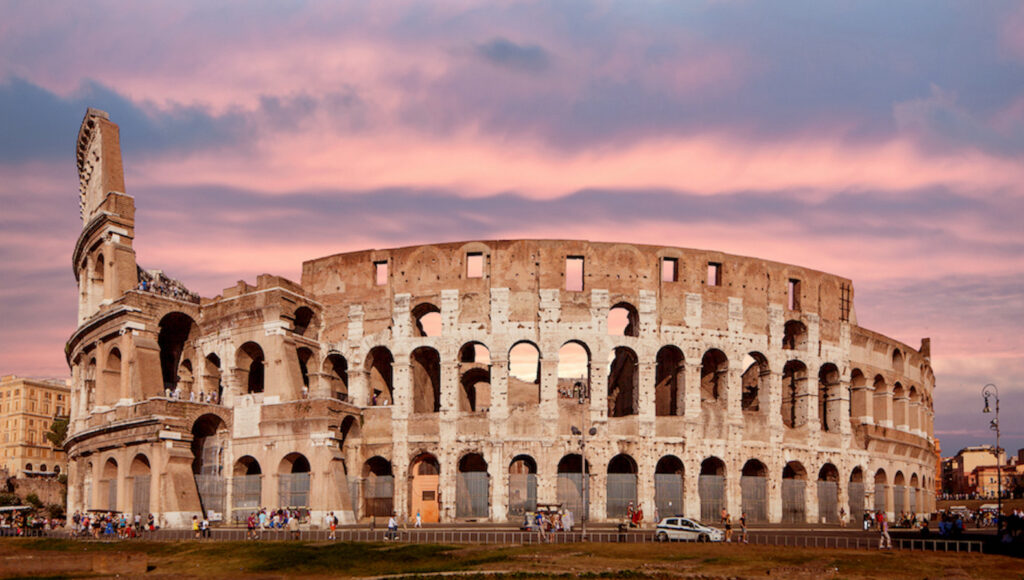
<point>471,381</point>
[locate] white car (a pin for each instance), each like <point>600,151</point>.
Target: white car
<point>680,528</point>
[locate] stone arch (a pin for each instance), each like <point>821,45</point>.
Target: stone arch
<point>250,363</point>
<point>426,319</point>
<point>574,370</point>
<point>293,481</point>
<point>899,405</point>
<point>214,385</point>
<point>794,389</point>
<point>209,437</point>
<point>524,374</point>
<point>914,492</point>
<point>794,335</point>
<point>424,480</point>
<point>247,465</point>
<point>108,483</point>
<point>620,486</point>
<point>623,320</point>
<point>882,401</point>
<point>754,381</point>
<point>754,488</point>
<point>177,330</point>
<point>856,494</point>
<point>623,383</point>
<point>829,398</point>
<point>794,483</point>
<point>899,490</point>
<point>472,485</point>
<point>335,371</point>
<point>89,385</point>
<point>474,377</point>
<point>522,485</point>
<point>714,368</point>
<point>426,380</point>
<point>859,403</point>
<point>828,494</point>
<point>897,361</point>
<point>304,355</point>
<point>881,486</point>
<point>669,475</point>
<point>379,369</point>
<point>109,390</point>
<point>573,484</point>
<point>712,490</point>
<point>378,487</point>
<point>914,409</point>
<point>140,473</point>
<point>670,382</point>
<point>304,321</point>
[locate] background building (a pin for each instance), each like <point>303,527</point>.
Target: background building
<point>28,408</point>
<point>461,380</point>
<point>961,472</point>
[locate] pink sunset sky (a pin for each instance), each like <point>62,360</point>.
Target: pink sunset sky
<point>875,140</point>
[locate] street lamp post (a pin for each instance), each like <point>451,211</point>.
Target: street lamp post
<point>987,391</point>
<point>583,397</point>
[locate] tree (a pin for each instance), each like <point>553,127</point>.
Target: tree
<point>58,432</point>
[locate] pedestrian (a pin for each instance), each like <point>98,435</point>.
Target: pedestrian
<point>195,526</point>
<point>842,517</point>
<point>293,526</point>
<point>419,520</point>
<point>332,524</point>
<point>250,525</point>
<point>392,533</point>
<point>884,541</point>
<point>727,520</point>
<point>205,527</point>
<point>743,527</point>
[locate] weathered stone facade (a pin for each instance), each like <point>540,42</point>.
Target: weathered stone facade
<point>450,379</point>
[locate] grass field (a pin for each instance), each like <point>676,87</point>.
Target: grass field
<point>275,559</point>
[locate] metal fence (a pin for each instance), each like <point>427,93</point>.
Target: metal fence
<point>522,493</point>
<point>755,498</point>
<point>212,492</point>
<point>571,490</point>
<point>140,494</point>
<point>471,490</point>
<point>913,500</point>
<point>440,536</point>
<point>712,497</point>
<point>246,495</point>
<point>793,501</point>
<point>111,486</point>
<point>294,489</point>
<point>880,497</point>
<point>828,502</point>
<point>898,505</point>
<point>668,493</point>
<point>379,494</point>
<point>621,492</point>
<point>856,500</point>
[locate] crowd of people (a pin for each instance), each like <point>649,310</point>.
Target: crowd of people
<point>111,525</point>
<point>177,394</point>
<point>167,287</point>
<point>280,519</point>
<point>27,524</point>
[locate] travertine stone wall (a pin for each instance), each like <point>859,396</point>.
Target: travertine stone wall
<point>382,362</point>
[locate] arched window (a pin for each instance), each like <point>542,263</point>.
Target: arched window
<point>250,363</point>
<point>623,320</point>
<point>794,335</point>
<point>176,331</point>
<point>522,485</point>
<point>755,381</point>
<point>623,379</point>
<point>426,320</point>
<point>794,387</point>
<point>474,377</point>
<point>670,383</point>
<point>335,369</point>
<point>302,320</point>
<point>523,374</point>
<point>714,368</point>
<point>829,398</point>
<point>426,380</point>
<point>378,364</point>
<point>574,372</point>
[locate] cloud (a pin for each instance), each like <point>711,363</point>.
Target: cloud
<point>939,122</point>
<point>518,57</point>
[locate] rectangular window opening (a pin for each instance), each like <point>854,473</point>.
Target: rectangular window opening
<point>714,274</point>
<point>474,265</point>
<point>574,273</point>
<point>380,273</point>
<point>669,269</point>
<point>794,294</point>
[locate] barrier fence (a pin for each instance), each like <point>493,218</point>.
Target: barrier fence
<point>440,536</point>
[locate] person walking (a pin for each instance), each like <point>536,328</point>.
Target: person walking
<point>392,533</point>
<point>728,527</point>
<point>332,524</point>
<point>419,520</point>
<point>743,527</point>
<point>884,541</point>
<point>195,526</point>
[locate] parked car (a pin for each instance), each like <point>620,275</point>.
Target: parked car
<point>685,529</point>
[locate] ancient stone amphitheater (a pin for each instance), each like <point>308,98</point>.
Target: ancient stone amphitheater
<point>476,380</point>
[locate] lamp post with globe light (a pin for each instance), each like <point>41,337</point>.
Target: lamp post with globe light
<point>987,391</point>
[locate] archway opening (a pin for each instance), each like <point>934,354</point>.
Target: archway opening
<point>522,485</point>
<point>668,487</point>
<point>623,320</point>
<point>426,380</point>
<point>474,378</point>
<point>523,375</point>
<point>294,481</point>
<point>250,364</point>
<point>670,382</point>
<point>828,494</point>
<point>794,494</point>
<point>335,369</point>
<point>378,487</point>
<point>623,379</point>
<point>714,368</point>
<point>176,330</point>
<point>794,390</point>
<point>620,486</point>
<point>209,440</point>
<point>246,487</point>
<point>471,487</point>
<point>426,320</point>
<point>573,484</point>
<point>794,336</point>
<point>423,487</point>
<point>711,487</point>
<point>754,381</point>
<point>754,487</point>
<point>139,472</point>
<point>379,366</point>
